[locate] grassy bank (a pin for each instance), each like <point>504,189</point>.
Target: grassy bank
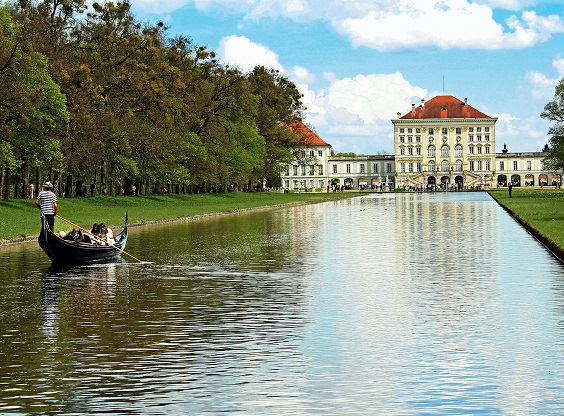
<point>20,218</point>
<point>541,210</point>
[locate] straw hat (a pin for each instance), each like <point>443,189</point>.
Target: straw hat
<point>47,185</point>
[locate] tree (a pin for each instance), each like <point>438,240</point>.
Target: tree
<point>554,111</point>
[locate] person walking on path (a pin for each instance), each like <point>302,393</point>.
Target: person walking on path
<point>47,201</point>
<point>509,188</point>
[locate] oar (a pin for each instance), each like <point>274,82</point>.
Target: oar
<point>98,238</point>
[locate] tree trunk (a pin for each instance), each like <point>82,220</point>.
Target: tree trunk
<point>68,187</point>
<point>17,185</point>
<point>38,174</point>
<point>25,180</point>
<point>7,180</point>
<point>103,177</point>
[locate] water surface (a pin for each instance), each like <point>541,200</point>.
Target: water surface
<point>384,304</point>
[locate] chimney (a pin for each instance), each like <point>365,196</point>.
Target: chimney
<point>422,102</point>
<point>466,101</point>
<point>399,114</point>
<point>412,108</point>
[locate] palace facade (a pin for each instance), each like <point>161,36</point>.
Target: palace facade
<point>442,142</point>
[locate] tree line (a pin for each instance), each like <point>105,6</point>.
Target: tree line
<point>90,95</point>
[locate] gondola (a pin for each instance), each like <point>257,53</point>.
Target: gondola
<point>62,251</point>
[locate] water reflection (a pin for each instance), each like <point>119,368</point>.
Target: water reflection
<point>393,304</point>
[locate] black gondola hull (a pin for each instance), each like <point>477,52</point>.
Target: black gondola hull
<point>68,252</point>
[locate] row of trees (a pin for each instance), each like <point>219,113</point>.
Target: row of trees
<point>91,95</point>
<point>554,112</point>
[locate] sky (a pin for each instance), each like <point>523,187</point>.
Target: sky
<point>360,62</point>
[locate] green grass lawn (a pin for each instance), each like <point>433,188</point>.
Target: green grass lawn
<point>20,218</point>
<point>541,209</point>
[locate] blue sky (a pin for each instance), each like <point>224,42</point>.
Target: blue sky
<point>360,62</point>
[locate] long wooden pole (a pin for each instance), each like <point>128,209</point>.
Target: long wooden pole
<point>98,238</point>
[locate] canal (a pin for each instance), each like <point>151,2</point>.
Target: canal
<point>405,304</point>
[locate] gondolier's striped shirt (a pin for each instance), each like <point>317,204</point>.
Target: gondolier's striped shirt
<point>47,200</point>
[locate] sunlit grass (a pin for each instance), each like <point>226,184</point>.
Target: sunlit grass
<point>20,218</point>
<point>542,209</point>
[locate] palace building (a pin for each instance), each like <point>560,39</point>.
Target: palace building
<point>442,142</point>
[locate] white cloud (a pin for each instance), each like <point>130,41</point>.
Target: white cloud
<point>301,75</point>
<point>520,135</point>
<point>397,24</point>
<point>542,85</point>
<point>354,114</point>
<point>239,51</point>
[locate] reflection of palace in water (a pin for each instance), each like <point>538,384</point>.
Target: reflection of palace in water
<point>444,142</point>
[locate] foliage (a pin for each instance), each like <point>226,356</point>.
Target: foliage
<point>95,96</point>
<point>554,111</point>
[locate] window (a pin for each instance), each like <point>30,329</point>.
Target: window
<point>458,130</point>
<point>471,138</point>
<point>402,130</point>
<point>295,173</point>
<point>528,165</point>
<point>418,151</point>
<point>471,150</point>
<point>311,153</point>
<point>479,165</point>
<point>418,166</point>
<point>402,139</point>
<point>431,166</point>
<point>348,168</point>
<point>410,139</point>
<point>487,137</point>
<point>515,165</point>
<point>458,166</point>
<point>471,129</point>
<point>375,167</point>
<point>458,150</point>
<point>410,151</point>
<point>478,129</point>
<point>501,165</point>
<point>486,129</point>
<point>389,168</point>
<point>362,170</point>
<point>402,167</point>
<point>444,130</point>
<point>445,151</point>
<point>431,151</point>
<point>418,139</point>
<point>402,151</point>
<point>479,137</point>
<point>472,165</point>
<point>320,153</point>
<point>479,150</point>
<point>445,166</point>
<point>334,168</point>
<point>417,130</point>
<point>488,165</point>
<point>410,130</point>
<point>320,170</point>
<point>410,166</point>
<point>303,170</point>
<point>431,131</point>
<point>487,149</point>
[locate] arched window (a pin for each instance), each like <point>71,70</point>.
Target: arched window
<point>445,166</point>
<point>458,166</point>
<point>458,150</point>
<point>444,150</point>
<point>431,166</point>
<point>431,151</point>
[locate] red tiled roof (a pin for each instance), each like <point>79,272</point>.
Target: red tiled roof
<point>444,106</point>
<point>304,133</point>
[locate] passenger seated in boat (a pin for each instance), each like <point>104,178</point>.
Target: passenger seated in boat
<point>107,234</point>
<point>76,236</point>
<point>95,229</point>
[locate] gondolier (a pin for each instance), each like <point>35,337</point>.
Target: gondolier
<point>47,202</point>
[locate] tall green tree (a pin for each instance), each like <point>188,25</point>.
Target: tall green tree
<point>554,111</point>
